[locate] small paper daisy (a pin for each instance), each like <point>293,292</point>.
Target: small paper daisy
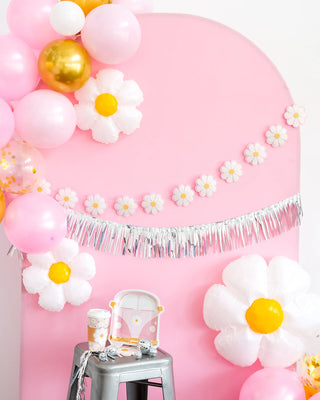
<point>42,187</point>
<point>255,154</point>
<point>295,115</point>
<point>206,186</point>
<point>183,195</point>
<point>67,198</point>
<point>231,171</point>
<point>125,206</point>
<point>152,203</point>
<point>276,135</point>
<point>95,205</point>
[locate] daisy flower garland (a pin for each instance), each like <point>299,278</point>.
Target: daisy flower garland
<point>231,171</point>
<point>43,187</point>
<point>206,186</point>
<point>183,195</point>
<point>67,198</point>
<point>295,115</point>
<point>276,135</point>
<point>107,106</point>
<point>255,154</point>
<point>152,203</point>
<point>95,205</point>
<point>125,206</point>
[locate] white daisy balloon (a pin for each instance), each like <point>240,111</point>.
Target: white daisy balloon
<point>43,187</point>
<point>231,171</point>
<point>255,154</point>
<point>95,205</point>
<point>125,206</point>
<point>152,203</point>
<point>263,312</point>
<point>206,186</point>
<point>295,115</point>
<point>276,136</point>
<point>60,276</point>
<point>67,198</point>
<point>107,106</point>
<point>183,195</point>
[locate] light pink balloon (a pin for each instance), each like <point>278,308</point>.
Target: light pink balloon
<point>315,397</point>
<point>6,123</point>
<point>273,384</point>
<point>111,34</point>
<point>30,21</point>
<point>45,119</point>
<point>35,223</point>
<point>18,68</point>
<point>136,6</point>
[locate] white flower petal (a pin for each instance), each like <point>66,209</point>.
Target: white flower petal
<point>239,346</point>
<point>222,309</point>
<point>247,278</point>
<point>44,260</point>
<point>130,94</point>
<point>86,116</point>
<point>66,250</point>
<point>128,119</point>
<point>88,93</point>
<point>105,130</point>
<point>77,291</point>
<point>35,279</point>
<point>83,266</point>
<point>109,81</point>
<point>280,349</point>
<point>52,297</point>
<point>286,278</point>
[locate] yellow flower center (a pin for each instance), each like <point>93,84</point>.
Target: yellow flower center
<point>231,171</point>
<point>264,316</point>
<point>206,185</point>
<point>126,207</point>
<point>153,204</point>
<point>95,205</point>
<point>59,272</point>
<point>256,154</point>
<point>277,136</point>
<point>39,189</point>
<point>296,115</point>
<point>183,195</point>
<point>66,198</point>
<point>106,104</point>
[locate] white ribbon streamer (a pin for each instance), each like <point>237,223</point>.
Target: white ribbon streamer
<point>189,241</point>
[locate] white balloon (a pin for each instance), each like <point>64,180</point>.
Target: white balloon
<point>67,18</point>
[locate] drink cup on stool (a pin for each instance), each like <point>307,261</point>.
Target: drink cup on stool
<point>98,329</point>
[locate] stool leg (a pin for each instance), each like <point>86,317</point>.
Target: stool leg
<point>104,387</point>
<point>72,391</point>
<point>137,391</point>
<point>168,384</point>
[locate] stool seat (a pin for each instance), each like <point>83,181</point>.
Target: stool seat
<point>106,376</point>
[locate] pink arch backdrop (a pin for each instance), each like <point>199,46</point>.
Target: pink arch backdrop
<point>208,93</point>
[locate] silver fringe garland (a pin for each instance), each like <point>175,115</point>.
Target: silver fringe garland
<point>189,241</point>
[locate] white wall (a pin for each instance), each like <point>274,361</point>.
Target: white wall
<point>288,31</point>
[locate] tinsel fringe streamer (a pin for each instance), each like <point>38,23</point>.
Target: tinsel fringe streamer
<point>189,241</point>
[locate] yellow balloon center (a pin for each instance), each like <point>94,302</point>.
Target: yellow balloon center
<point>232,171</point>
<point>206,185</point>
<point>153,204</point>
<point>95,205</point>
<point>277,136</point>
<point>264,316</point>
<point>255,154</point>
<point>296,115</point>
<point>106,104</point>
<point>59,272</point>
<point>126,207</point>
<point>183,196</point>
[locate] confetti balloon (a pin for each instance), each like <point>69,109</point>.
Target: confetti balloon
<point>111,34</point>
<point>64,65</point>
<point>21,167</point>
<point>89,5</point>
<point>2,205</point>
<point>35,223</point>
<point>67,18</point>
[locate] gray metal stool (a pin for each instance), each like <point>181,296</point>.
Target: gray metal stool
<point>106,376</point>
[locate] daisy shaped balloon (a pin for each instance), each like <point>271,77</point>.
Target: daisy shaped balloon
<point>60,276</point>
<point>263,312</point>
<point>107,106</point>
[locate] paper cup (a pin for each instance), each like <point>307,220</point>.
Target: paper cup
<point>98,329</point>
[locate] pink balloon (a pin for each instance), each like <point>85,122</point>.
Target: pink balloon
<point>273,384</point>
<point>6,123</point>
<point>30,21</point>
<point>315,397</point>
<point>45,119</point>
<point>19,68</point>
<point>35,223</point>
<point>136,6</point>
<point>111,34</point>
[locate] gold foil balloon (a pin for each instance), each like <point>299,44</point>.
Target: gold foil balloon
<point>64,65</point>
<point>2,205</point>
<point>89,5</point>
<point>21,167</point>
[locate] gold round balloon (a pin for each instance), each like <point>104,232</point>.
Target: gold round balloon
<point>89,5</point>
<point>64,65</point>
